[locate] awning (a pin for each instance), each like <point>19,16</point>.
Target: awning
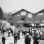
<point>41,24</point>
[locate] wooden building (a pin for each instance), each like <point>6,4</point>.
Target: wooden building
<point>39,17</point>
<point>23,16</point>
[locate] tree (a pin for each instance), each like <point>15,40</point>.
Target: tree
<point>9,16</point>
<point>1,13</point>
<point>5,15</point>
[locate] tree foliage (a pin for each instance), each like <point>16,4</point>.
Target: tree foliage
<point>1,13</point>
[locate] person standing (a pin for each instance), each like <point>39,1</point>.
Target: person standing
<point>36,39</point>
<point>9,33</point>
<point>18,34</point>
<point>3,39</point>
<point>12,31</point>
<point>27,39</point>
<point>15,37</point>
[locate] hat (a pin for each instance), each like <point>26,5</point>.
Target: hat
<point>27,34</point>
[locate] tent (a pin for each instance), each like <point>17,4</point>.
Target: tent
<point>13,27</point>
<point>5,24</point>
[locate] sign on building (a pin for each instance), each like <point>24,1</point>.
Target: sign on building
<point>25,22</point>
<point>20,21</point>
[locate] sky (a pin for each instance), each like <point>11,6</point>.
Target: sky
<point>16,5</point>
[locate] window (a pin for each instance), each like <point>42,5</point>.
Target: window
<point>42,21</point>
<point>18,15</point>
<point>29,15</point>
<point>23,12</point>
<point>40,13</point>
<point>42,26</point>
<point>37,21</point>
<point>22,17</point>
<point>20,21</point>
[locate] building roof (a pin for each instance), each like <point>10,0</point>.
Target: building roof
<point>40,11</point>
<point>27,11</point>
<point>21,10</point>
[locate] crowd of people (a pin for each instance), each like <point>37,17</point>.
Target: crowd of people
<point>28,33</point>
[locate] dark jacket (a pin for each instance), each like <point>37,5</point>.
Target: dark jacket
<point>3,39</point>
<point>27,40</point>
